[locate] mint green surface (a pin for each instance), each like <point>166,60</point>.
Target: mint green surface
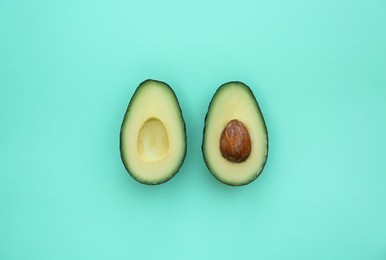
<point>69,68</point>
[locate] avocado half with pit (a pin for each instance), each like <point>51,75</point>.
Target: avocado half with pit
<point>235,141</point>
<point>153,137</point>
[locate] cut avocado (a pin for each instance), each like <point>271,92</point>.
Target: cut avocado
<point>235,141</point>
<point>153,138</point>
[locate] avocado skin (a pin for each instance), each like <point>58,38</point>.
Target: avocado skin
<point>265,126</point>
<point>120,135</point>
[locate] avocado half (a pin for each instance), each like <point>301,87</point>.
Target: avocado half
<point>153,134</point>
<point>235,139</point>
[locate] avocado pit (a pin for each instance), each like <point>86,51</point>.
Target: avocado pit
<point>235,142</point>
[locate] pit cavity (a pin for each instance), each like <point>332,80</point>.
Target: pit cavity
<point>153,141</point>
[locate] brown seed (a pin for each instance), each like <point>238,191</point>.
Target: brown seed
<point>235,142</point>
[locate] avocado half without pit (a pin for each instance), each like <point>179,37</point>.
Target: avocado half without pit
<point>235,141</point>
<point>153,137</point>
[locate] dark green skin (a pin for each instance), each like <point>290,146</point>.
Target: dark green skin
<point>178,164</point>
<point>218,91</point>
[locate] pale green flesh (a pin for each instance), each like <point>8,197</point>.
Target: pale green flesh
<point>153,144</point>
<point>235,101</point>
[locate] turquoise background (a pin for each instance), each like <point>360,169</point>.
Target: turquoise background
<point>69,68</point>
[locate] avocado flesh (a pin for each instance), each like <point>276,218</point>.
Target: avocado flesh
<point>153,139</point>
<point>235,100</point>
